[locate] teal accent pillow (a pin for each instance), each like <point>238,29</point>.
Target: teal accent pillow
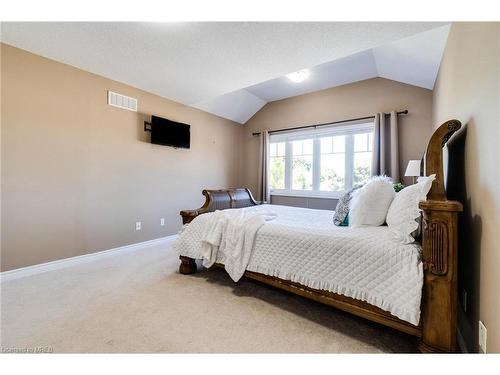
<point>342,210</point>
<point>345,222</point>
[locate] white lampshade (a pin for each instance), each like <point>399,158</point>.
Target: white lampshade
<point>413,168</point>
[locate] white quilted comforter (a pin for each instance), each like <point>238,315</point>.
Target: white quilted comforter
<point>303,245</point>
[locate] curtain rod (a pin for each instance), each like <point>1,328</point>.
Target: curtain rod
<point>405,112</point>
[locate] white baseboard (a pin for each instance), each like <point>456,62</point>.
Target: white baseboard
<point>19,273</point>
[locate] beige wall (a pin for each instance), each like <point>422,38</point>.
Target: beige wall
<point>77,174</point>
<point>468,88</point>
<point>349,101</point>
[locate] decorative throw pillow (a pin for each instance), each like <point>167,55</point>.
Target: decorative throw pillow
<point>369,204</point>
<point>340,217</point>
<point>345,223</point>
<point>403,215</point>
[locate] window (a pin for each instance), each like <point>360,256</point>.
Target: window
<point>320,162</point>
<point>302,162</point>
<point>332,163</point>
<point>277,165</point>
<point>363,147</point>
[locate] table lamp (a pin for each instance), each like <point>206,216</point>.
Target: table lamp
<point>413,169</point>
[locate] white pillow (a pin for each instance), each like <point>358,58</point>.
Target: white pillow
<point>369,204</point>
<point>403,212</point>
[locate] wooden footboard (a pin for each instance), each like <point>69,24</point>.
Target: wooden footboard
<point>437,328</point>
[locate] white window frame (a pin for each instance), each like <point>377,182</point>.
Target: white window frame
<point>316,134</point>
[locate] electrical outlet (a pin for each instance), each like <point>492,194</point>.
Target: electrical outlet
<point>464,299</point>
<point>138,225</point>
<point>482,337</point>
<point>162,221</point>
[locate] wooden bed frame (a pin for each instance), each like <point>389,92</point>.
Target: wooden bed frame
<point>437,328</point>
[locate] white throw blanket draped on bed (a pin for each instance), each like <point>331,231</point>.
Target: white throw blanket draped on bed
<point>232,233</point>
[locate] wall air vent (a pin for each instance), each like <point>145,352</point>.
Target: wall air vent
<point>122,101</point>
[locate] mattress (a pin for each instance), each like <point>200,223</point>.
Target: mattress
<point>303,245</point>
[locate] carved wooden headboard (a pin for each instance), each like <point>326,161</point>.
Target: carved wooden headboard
<point>434,158</point>
<point>221,200</point>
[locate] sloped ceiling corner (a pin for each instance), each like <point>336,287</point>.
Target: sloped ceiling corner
<point>238,106</point>
<point>414,60</point>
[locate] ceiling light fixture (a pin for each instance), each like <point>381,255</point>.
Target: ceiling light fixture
<point>299,76</point>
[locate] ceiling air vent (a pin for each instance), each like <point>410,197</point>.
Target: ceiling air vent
<point>122,101</point>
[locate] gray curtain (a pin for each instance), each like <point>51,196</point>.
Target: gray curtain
<point>263,166</point>
<point>385,158</point>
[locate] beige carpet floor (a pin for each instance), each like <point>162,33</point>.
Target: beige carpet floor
<point>138,302</point>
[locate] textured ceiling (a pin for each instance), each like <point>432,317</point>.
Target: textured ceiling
<point>207,65</point>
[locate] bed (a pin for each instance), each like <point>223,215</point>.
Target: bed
<point>364,271</point>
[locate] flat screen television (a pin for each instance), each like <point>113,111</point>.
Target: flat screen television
<point>170,133</point>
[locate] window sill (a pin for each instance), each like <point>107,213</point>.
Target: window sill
<point>335,195</point>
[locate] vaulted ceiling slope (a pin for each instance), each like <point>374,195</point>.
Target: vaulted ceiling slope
<point>233,69</point>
